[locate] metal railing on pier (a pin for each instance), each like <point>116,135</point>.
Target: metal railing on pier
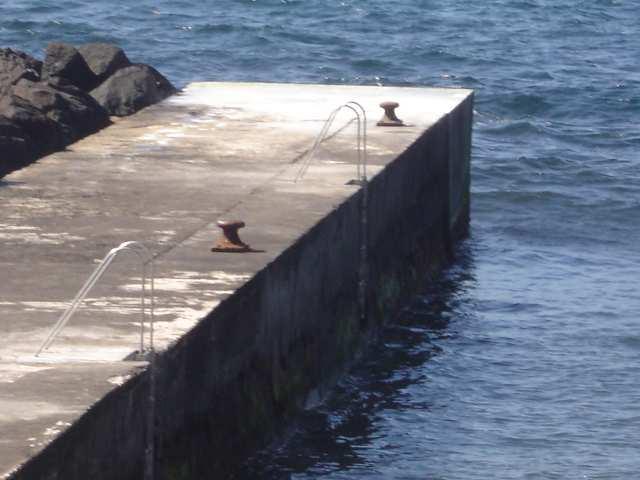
<point>146,261</point>
<point>360,116</point>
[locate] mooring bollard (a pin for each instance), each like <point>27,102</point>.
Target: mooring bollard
<point>230,241</point>
<point>389,119</point>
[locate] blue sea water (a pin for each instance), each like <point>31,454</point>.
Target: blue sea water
<point>523,361</point>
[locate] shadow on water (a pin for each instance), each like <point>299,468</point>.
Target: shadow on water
<point>327,439</point>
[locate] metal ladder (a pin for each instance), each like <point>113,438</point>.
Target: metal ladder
<point>361,139</point>
<point>146,260</point>
<point>361,180</point>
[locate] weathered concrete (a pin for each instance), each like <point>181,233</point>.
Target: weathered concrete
<point>286,318</point>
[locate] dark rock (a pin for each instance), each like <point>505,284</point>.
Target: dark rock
<point>43,133</point>
<point>41,118</point>
<point>65,61</point>
<point>16,148</point>
<point>16,65</point>
<point>103,59</point>
<point>82,114</point>
<point>38,118</point>
<point>45,106</point>
<point>132,88</point>
<point>76,112</point>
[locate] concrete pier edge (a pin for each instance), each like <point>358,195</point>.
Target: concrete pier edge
<point>280,340</point>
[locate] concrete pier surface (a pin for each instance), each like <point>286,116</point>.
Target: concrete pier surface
<point>163,177</point>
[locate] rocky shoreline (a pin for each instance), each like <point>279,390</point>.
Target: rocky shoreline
<point>47,105</point>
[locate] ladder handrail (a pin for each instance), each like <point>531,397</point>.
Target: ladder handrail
<point>361,140</point>
<point>364,139</point>
<point>146,259</point>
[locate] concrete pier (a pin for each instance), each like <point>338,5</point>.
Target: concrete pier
<point>244,340</point>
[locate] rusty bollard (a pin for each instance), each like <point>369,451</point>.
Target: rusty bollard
<point>230,241</point>
<point>389,118</point>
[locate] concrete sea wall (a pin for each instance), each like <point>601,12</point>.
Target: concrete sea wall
<point>280,340</point>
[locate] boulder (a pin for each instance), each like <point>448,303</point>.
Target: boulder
<point>38,118</point>
<point>103,59</point>
<point>82,114</point>
<point>132,88</point>
<point>64,61</point>
<point>16,149</point>
<point>46,106</point>
<point>76,112</point>
<point>16,65</point>
<point>42,133</point>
